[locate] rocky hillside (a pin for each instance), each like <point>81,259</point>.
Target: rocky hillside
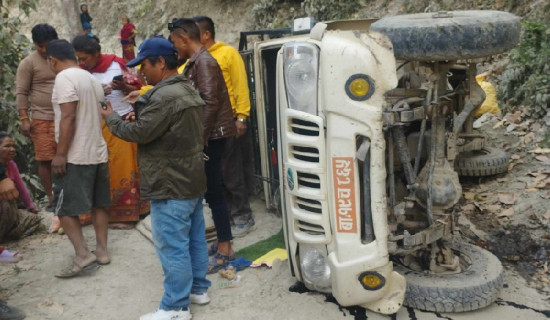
<point>232,16</point>
<point>149,16</point>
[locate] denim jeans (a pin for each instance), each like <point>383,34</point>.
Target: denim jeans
<point>178,237</point>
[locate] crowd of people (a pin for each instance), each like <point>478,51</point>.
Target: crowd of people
<point>118,144</point>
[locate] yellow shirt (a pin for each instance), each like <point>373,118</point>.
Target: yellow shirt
<point>234,74</point>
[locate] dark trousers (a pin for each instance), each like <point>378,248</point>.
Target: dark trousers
<point>214,189</point>
<point>238,167</point>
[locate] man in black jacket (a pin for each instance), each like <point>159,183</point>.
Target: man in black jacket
<point>205,75</point>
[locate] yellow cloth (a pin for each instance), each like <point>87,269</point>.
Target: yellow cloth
<point>144,89</point>
<point>490,104</point>
<point>270,257</point>
<point>234,74</point>
<point>126,204</point>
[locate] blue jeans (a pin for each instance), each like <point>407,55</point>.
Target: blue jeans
<point>178,236</point>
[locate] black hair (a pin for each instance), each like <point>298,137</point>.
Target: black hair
<point>206,24</point>
<point>61,49</point>
<point>4,135</point>
<point>87,43</point>
<point>171,61</point>
<point>42,33</point>
<point>188,26</point>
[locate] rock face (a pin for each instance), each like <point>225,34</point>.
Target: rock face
<point>231,16</point>
<point>149,16</point>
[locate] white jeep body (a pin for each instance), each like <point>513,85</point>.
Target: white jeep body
<point>318,132</point>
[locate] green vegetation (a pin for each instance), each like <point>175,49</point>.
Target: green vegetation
<point>15,46</point>
<point>258,249</point>
<point>526,80</point>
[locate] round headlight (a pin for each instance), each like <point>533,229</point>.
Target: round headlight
<point>359,87</point>
<point>316,270</point>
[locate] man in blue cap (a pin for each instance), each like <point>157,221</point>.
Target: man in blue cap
<point>168,129</point>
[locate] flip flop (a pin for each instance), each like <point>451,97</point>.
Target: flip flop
<point>9,257</point>
<point>77,269</point>
<point>213,248</point>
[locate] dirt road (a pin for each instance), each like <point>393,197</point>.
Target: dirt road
<point>132,285</point>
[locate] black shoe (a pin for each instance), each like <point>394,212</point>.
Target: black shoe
<point>10,313</point>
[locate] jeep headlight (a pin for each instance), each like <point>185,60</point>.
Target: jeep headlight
<point>301,70</point>
<point>315,268</point>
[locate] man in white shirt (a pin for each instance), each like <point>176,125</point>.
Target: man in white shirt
<point>81,173</point>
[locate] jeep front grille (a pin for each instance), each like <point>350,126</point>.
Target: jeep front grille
<point>309,205</point>
<point>307,154</point>
<point>306,128</point>
<point>304,156</point>
<point>307,180</point>
<point>310,228</point>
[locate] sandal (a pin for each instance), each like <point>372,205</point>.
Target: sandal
<point>218,261</point>
<point>76,269</point>
<point>213,248</point>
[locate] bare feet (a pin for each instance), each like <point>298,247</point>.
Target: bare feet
<point>102,256</point>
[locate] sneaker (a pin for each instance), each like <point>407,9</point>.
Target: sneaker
<point>241,230</point>
<point>10,313</point>
<point>167,315</point>
<point>200,298</point>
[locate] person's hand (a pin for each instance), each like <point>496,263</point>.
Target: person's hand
<point>33,210</point>
<point>105,108</point>
<point>118,85</point>
<point>132,97</point>
<point>26,128</point>
<point>130,117</point>
<point>59,165</point>
<point>8,190</point>
<point>107,89</point>
<point>241,128</point>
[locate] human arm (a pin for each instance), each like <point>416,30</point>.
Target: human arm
<point>66,133</point>
<point>133,32</point>
<point>151,122</point>
<point>22,90</point>
<point>24,194</point>
<point>7,187</point>
<point>207,79</point>
<point>239,81</point>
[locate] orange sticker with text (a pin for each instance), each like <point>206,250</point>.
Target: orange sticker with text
<point>344,193</point>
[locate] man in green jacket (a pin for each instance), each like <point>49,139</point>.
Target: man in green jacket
<point>168,129</point>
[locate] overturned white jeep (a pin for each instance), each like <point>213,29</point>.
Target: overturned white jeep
<point>362,128</point>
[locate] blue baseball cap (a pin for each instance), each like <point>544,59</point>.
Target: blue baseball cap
<point>153,47</point>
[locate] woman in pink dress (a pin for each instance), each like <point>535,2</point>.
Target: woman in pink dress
<point>15,224</point>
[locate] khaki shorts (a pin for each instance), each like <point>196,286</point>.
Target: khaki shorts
<point>82,188</point>
<point>43,139</point>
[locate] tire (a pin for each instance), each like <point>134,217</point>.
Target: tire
<point>485,162</point>
<point>464,35</point>
<point>475,288</point>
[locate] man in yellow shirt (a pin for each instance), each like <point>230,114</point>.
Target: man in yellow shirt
<point>238,160</point>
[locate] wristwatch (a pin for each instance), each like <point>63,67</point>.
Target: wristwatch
<point>241,120</point>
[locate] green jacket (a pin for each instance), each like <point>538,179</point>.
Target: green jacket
<point>168,130</point>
